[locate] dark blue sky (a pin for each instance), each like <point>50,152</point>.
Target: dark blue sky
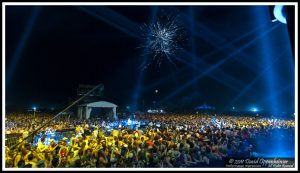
<point>56,48</point>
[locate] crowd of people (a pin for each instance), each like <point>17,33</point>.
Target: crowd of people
<point>20,123</point>
<point>164,141</point>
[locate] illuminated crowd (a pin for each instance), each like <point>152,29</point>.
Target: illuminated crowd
<point>164,141</point>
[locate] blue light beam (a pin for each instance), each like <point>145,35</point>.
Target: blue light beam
<point>218,64</point>
<point>22,44</point>
<point>241,93</point>
<point>137,90</point>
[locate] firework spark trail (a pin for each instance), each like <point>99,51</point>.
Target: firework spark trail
<point>162,40</point>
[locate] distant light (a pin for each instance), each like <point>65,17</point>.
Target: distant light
<point>156,91</point>
<point>161,111</point>
<point>127,107</point>
<point>233,107</point>
<point>278,9</point>
<point>254,109</point>
<point>129,121</point>
<point>149,111</point>
<point>34,108</point>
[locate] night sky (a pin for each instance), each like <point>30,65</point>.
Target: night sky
<point>56,48</point>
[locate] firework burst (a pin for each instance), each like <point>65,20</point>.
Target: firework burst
<point>163,39</point>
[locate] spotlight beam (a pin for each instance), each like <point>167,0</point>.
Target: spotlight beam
<point>200,60</point>
<point>115,22</point>
<point>256,79</point>
<point>137,90</point>
<point>127,29</point>
<point>112,18</point>
<point>230,43</point>
<point>217,78</point>
<point>22,43</point>
<point>271,81</point>
<point>121,19</point>
<point>217,73</point>
<point>217,64</point>
<point>193,42</point>
<point>277,94</point>
<point>209,36</point>
<point>213,75</point>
